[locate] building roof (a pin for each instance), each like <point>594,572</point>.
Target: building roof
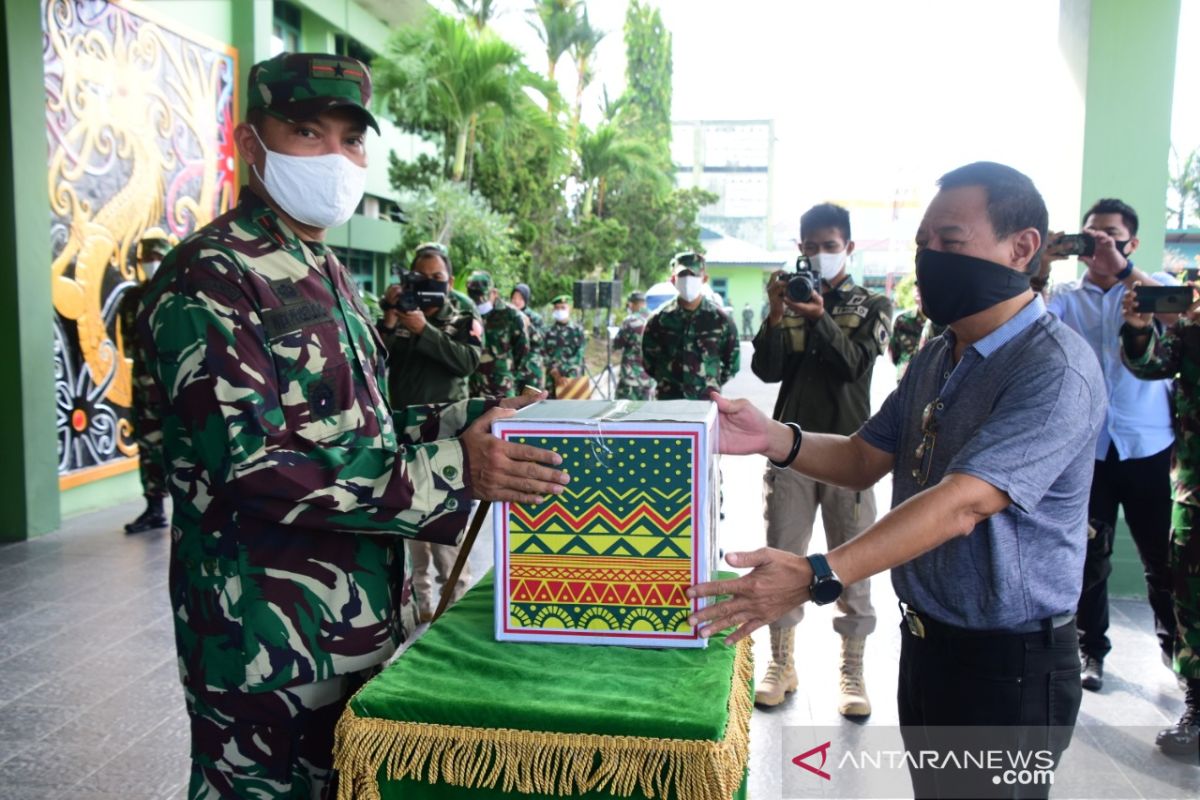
<point>722,250</point>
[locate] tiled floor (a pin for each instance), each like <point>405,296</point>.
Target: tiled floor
<point>90,705</point>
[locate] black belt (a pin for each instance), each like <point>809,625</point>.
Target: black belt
<point>923,627</point>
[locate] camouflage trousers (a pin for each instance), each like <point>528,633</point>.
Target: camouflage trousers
<point>634,390</point>
<point>268,745</point>
<point>147,435</point>
<point>1184,563</point>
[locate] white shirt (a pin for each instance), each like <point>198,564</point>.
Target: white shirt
<point>1139,412</point>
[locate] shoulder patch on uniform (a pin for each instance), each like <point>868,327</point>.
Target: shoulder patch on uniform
<point>286,319</point>
<point>881,333</point>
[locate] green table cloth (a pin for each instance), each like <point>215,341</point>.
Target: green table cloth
<point>461,715</point>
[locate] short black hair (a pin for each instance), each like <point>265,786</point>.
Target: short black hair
<point>425,252</point>
<point>826,215</point>
<point>1013,202</point>
<point>1111,205</point>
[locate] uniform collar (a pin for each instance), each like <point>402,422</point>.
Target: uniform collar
<point>254,209</point>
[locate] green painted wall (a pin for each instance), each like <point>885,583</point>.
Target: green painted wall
<point>29,469</point>
<point>96,495</point>
<point>1127,127</point>
<point>745,284</point>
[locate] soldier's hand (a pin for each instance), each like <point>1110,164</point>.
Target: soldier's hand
<point>528,396</point>
<point>812,310</point>
<point>1134,318</point>
<point>412,321</point>
<point>503,470</point>
<point>392,315</point>
<point>775,289</point>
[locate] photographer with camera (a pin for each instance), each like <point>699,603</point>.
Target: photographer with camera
<point>1133,453</point>
<point>433,337</point>
<point>821,338</point>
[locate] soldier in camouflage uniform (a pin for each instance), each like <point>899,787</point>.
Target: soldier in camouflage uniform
<point>293,485</point>
<point>432,352</point>
<point>535,365</point>
<point>1153,354</point>
<point>633,383</point>
<point>689,345</point>
<point>747,321</point>
<point>906,339</point>
<point>506,342</point>
<point>147,428</point>
<point>565,342</point>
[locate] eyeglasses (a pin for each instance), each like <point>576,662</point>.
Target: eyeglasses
<point>924,451</point>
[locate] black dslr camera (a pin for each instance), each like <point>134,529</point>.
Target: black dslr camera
<point>417,292</point>
<point>802,283</point>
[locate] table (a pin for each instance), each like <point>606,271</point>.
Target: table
<point>461,715</point>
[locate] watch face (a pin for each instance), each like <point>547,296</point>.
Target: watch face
<point>827,591</point>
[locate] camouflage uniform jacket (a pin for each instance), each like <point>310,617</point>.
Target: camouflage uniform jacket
<point>535,366</point>
<point>131,345</point>
<point>689,352</point>
<point>907,331</point>
<point>633,383</point>
<point>283,456</point>
<point>1174,353</point>
<point>505,350</point>
<point>564,349</point>
<point>826,365</point>
<point>434,366</point>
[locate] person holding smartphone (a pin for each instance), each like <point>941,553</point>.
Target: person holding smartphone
<point>1133,453</point>
<point>1153,353</point>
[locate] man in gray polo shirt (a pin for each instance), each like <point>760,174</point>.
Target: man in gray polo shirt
<point>990,438</point>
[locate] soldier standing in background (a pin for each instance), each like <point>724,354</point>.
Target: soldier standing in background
<point>1153,354</point>
<point>147,423</point>
<point>747,321</point>
<point>293,485</point>
<point>535,371</point>
<point>432,351</point>
<point>633,383</point>
<point>506,342</point>
<point>689,345</point>
<point>564,343</point>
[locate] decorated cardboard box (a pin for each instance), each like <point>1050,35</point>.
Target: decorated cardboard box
<point>608,560</point>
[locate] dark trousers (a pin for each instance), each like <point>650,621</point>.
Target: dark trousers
<point>1142,486</point>
<point>967,690</point>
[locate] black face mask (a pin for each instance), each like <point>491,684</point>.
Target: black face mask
<point>955,286</point>
<point>1121,245</point>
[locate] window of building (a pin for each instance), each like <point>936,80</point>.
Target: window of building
<point>360,264</point>
<point>349,46</point>
<point>720,286</point>
<point>285,29</point>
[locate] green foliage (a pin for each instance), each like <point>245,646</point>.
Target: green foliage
<point>557,25</point>
<point>903,293</point>
<point>608,153</point>
<point>648,68</point>
<point>1183,189</point>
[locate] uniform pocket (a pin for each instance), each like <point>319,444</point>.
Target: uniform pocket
<point>316,384</point>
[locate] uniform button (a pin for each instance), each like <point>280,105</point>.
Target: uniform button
<point>450,472</point>
<point>451,504</point>
<point>946,376</point>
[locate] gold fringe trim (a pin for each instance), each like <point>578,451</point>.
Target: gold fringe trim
<point>559,764</point>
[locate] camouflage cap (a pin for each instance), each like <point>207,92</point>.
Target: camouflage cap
<point>298,86</point>
<point>562,298</point>
<point>479,283</point>
<point>637,297</point>
<point>151,246</point>
<point>688,261</point>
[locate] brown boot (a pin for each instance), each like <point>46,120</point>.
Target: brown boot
<point>853,700</point>
<point>781,679</point>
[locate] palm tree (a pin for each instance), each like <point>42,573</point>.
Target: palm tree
<point>447,72</point>
<point>583,48</point>
<point>1185,181</point>
<point>556,24</point>
<point>480,12</point>
<point>610,151</point>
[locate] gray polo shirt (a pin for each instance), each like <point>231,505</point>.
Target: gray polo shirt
<point>1021,410</point>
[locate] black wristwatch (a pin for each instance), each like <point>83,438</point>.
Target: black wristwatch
<point>825,586</point>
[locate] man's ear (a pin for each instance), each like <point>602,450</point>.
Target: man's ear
<point>247,143</point>
<point>1024,246</point>
<point>849,248</point>
<point>1133,245</point>
<point>705,280</point>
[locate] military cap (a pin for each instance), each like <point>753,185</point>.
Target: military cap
<point>562,298</point>
<point>151,246</point>
<point>479,282</point>
<point>689,261</point>
<point>637,297</point>
<point>299,86</point>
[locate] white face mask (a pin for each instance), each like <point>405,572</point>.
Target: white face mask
<point>562,314</point>
<point>689,287</point>
<point>321,191</point>
<point>150,267</point>
<point>483,308</point>
<point>829,264</point>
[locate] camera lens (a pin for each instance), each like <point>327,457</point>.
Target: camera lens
<point>799,288</point>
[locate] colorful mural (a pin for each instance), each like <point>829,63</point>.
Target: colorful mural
<point>140,121</point>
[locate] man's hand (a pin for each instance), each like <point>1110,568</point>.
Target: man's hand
<point>744,430</point>
<point>775,289</point>
<point>1134,318</point>
<point>412,321</point>
<point>778,583</point>
<point>1106,260</point>
<point>527,397</point>
<point>503,470</point>
<point>812,310</point>
<point>1051,253</point>
<point>392,315</point>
